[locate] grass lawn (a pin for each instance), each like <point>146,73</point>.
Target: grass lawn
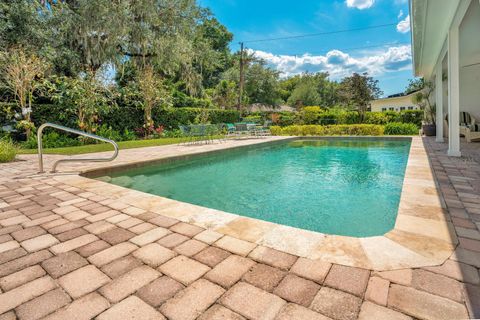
<point>105,146</point>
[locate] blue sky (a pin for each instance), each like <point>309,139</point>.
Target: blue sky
<point>387,58</point>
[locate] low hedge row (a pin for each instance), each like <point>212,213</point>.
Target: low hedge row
<point>346,130</point>
<point>329,130</point>
<point>318,115</point>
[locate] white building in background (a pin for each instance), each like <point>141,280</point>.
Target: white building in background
<point>446,50</point>
<point>396,102</point>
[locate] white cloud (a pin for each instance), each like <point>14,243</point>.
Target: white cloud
<point>360,4</point>
<point>340,64</point>
<point>404,25</point>
<point>400,14</point>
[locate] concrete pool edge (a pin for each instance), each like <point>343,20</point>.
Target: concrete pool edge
<point>422,235</point>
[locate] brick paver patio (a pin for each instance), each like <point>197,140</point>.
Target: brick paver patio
<point>70,254</point>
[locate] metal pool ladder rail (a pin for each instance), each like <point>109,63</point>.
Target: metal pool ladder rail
<point>81,133</point>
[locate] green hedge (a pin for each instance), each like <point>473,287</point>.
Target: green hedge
<point>329,130</point>
<point>173,117</point>
<point>127,117</point>
<point>321,116</point>
<point>407,116</point>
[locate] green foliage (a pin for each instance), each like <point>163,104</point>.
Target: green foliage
<point>318,115</point>
<point>355,130</point>
<point>415,85</point>
<point>407,116</point>
<point>310,89</point>
<point>411,116</point>
<point>253,119</point>
<point>83,96</point>
<point>305,94</point>
<point>8,150</point>
<point>171,118</point>
<point>106,131</point>
<point>329,130</point>
<point>261,82</point>
<point>398,128</point>
<point>225,94</point>
<point>284,118</point>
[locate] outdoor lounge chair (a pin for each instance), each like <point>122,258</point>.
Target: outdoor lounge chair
<point>466,120</point>
<point>472,133</point>
<point>231,132</point>
<point>241,129</point>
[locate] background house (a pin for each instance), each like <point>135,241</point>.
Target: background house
<point>396,102</point>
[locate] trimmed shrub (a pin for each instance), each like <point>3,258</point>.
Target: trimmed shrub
<point>8,150</point>
<point>254,119</point>
<point>330,130</point>
<point>355,130</point>
<point>398,128</point>
<point>411,116</point>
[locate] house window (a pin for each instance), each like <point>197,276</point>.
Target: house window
<point>384,109</point>
<point>402,108</point>
<point>410,108</point>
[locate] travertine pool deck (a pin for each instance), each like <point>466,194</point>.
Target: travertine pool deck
<point>73,247</point>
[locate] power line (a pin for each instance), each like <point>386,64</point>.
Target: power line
<point>344,49</point>
<point>323,33</point>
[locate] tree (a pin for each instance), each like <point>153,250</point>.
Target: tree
<point>261,82</point>
<point>305,94</point>
<point>91,31</point>
<point>415,85</point>
<point>310,89</point>
<point>24,23</point>
<point>358,90</point>
<point>225,94</point>
<point>153,92</point>
<point>212,42</point>
<point>22,74</point>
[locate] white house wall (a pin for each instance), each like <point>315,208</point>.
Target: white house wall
<point>470,61</point>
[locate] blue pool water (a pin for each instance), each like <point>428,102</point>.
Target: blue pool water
<point>336,186</point>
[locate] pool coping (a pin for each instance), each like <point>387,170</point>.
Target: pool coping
<point>423,234</point>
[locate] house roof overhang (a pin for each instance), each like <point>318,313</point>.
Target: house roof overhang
<point>430,21</point>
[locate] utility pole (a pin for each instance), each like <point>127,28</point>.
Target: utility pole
<point>242,78</point>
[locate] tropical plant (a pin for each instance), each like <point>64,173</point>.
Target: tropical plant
<point>85,96</point>
<point>22,73</point>
<point>423,98</point>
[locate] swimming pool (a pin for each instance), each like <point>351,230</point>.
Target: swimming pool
<point>339,186</point>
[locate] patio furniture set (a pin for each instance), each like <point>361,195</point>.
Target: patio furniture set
<point>207,133</point>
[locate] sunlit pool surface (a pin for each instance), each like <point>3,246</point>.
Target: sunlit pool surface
<point>345,187</point>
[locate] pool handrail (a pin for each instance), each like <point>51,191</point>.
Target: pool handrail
<point>78,132</point>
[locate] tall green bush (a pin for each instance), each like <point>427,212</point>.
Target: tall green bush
<point>8,150</point>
